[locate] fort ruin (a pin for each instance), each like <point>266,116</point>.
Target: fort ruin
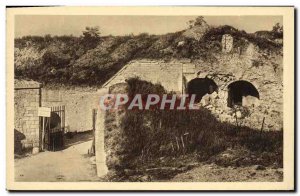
<point>228,86</point>
<point>237,79</point>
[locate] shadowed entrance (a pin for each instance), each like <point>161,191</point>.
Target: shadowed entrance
<point>242,93</point>
<point>200,87</point>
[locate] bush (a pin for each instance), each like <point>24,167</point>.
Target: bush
<point>144,136</point>
<point>89,60</point>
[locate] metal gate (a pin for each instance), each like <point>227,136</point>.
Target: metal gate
<point>55,129</point>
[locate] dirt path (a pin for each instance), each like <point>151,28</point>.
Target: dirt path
<point>71,164</point>
<point>214,173</point>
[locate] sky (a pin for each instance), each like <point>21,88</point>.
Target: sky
<point>124,25</point>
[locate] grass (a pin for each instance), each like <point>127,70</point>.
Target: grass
<point>156,137</point>
<point>68,60</point>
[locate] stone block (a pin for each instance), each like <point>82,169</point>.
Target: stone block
<point>238,114</point>
<point>34,103</point>
<point>35,150</point>
<point>33,125</point>
<point>36,122</point>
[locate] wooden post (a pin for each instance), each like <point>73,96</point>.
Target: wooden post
<point>44,112</point>
<point>43,133</point>
<point>94,116</point>
<point>177,143</point>
<point>262,126</point>
<point>236,119</point>
<point>183,146</point>
<point>182,142</point>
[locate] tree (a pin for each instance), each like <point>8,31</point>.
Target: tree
<point>91,37</point>
<point>199,21</point>
<point>277,30</point>
<point>91,33</point>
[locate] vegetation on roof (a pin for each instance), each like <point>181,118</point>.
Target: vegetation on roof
<point>91,59</point>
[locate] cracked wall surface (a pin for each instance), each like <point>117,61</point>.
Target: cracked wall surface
<point>27,96</point>
<point>263,69</point>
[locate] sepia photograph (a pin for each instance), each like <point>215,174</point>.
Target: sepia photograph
<point>150,98</point>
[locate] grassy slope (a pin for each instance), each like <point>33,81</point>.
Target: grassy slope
<point>67,60</point>
<point>145,143</point>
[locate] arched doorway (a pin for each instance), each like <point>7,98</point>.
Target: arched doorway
<point>242,93</point>
<point>201,87</point>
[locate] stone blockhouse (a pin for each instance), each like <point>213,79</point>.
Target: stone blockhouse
<point>242,87</point>
<point>238,86</point>
<point>234,80</point>
<point>27,99</point>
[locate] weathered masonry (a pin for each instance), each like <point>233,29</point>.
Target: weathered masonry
<point>27,100</point>
<point>238,78</point>
<point>243,85</point>
<point>221,89</point>
<point>79,103</point>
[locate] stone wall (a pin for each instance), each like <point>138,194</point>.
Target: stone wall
<point>262,69</point>
<point>27,96</point>
<point>79,103</point>
<point>100,132</point>
<point>168,74</point>
<point>230,68</point>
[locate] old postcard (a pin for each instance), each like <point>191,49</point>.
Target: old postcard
<point>150,98</point>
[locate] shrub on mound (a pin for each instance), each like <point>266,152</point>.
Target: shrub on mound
<point>134,137</point>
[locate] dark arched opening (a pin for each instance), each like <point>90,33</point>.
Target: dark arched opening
<point>201,87</point>
<point>242,93</point>
<point>55,121</point>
